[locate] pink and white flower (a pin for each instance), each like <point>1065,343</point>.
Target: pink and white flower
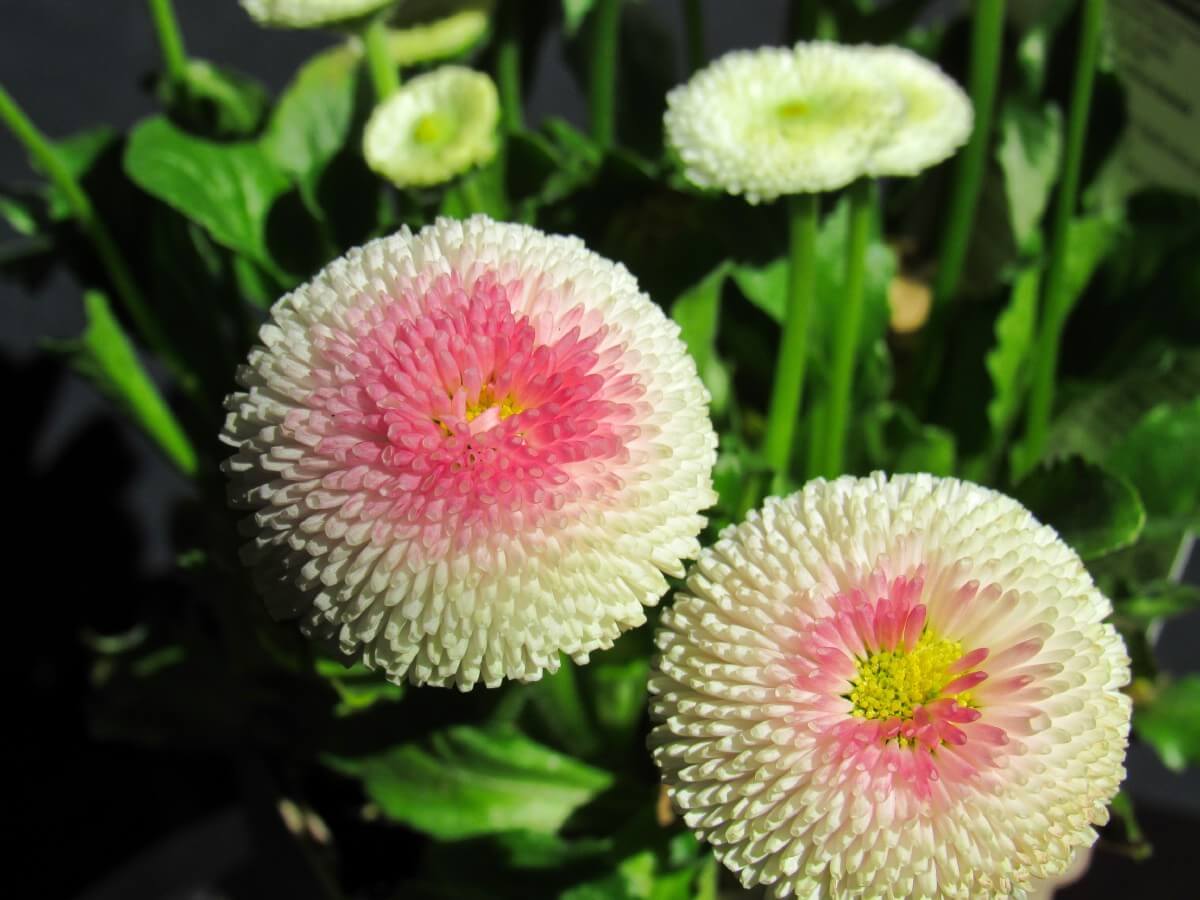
<point>891,687</point>
<point>469,450</point>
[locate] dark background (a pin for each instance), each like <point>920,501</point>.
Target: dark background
<point>89,505</point>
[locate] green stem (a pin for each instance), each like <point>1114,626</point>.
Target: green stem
<point>987,40</point>
<point>848,325</point>
<point>385,74</point>
<point>693,17</point>
<point>602,82</point>
<point>47,159</point>
<point>508,66</point>
<point>170,39</point>
<point>1056,301</point>
<point>802,20</point>
<point>788,390</point>
<point>468,188</point>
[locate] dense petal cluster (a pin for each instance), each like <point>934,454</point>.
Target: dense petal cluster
<point>937,118</point>
<point>777,121</point>
<point>435,127</point>
<point>469,450</point>
<point>891,687</point>
<point>309,13</point>
<point>814,117</point>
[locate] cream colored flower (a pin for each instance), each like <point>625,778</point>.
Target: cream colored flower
<point>413,43</point>
<point>777,121</point>
<point>468,450</point>
<point>891,687</point>
<point>435,127</point>
<point>937,118</point>
<point>309,13</point>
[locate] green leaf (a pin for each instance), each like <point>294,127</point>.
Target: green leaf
<point>1136,845</point>
<point>226,188</point>
<point>19,213</point>
<point>1094,510</point>
<point>1029,148</point>
<point>105,356</point>
<point>1101,418</point>
<point>1159,600</point>
<point>698,310</point>
<point>1171,723</point>
<point>215,101</point>
<point>79,153</point>
<point>469,781</point>
<point>312,122</point>
<point>1007,363</point>
<point>895,440</point>
<point>358,688</point>
<point>1159,457</point>
<point>559,702</point>
<point>574,12</point>
<point>766,287</point>
<point>618,689</point>
<point>639,877</point>
<point>1089,241</point>
<point>536,850</point>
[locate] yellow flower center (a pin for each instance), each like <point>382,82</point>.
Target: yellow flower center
<point>432,128</point>
<point>487,400</point>
<point>792,110</point>
<point>890,683</point>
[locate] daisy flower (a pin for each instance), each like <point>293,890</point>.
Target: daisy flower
<point>468,450</point>
<point>435,127</point>
<point>309,13</point>
<point>937,117</point>
<point>776,121</point>
<point>891,687</point>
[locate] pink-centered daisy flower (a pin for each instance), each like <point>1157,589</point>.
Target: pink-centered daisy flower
<point>891,687</point>
<point>469,450</point>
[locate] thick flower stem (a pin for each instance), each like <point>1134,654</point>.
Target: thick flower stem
<point>788,390</point>
<point>385,74</point>
<point>1055,299</point>
<point>802,20</point>
<point>693,17</point>
<point>847,327</point>
<point>170,39</point>
<point>987,39</point>
<point>126,287</point>
<point>602,81</point>
<point>508,66</point>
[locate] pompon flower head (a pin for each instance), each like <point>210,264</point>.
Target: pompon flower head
<point>937,117</point>
<point>309,13</point>
<point>776,121</point>
<point>891,687</point>
<point>467,450</point>
<point>435,127</point>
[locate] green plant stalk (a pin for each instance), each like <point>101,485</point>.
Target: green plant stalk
<point>508,66</point>
<point>1055,300</point>
<point>788,390</point>
<point>385,74</point>
<point>602,74</point>
<point>987,40</point>
<point>44,154</point>
<point>693,17</point>
<point>802,20</point>
<point>170,39</point>
<point>847,328</point>
<point>472,197</point>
